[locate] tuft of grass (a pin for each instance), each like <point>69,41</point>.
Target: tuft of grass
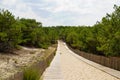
<point>31,74</point>
<point>32,52</point>
<point>18,47</point>
<point>48,63</point>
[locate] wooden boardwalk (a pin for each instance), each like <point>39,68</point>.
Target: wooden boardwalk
<point>66,65</point>
<point>53,72</point>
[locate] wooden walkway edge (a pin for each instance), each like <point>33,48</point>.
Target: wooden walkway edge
<point>53,72</point>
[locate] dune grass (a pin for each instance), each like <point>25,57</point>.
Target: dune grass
<point>31,74</point>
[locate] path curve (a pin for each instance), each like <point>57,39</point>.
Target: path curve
<point>75,69</point>
<point>67,66</point>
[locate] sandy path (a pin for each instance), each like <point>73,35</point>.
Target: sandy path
<point>75,69</point>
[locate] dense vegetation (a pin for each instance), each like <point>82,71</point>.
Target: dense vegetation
<point>27,32</point>
<point>103,38</point>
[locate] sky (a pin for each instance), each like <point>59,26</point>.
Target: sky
<point>61,12</point>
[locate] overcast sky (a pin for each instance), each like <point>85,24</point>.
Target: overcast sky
<point>61,12</point>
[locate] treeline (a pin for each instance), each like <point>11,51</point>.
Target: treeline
<point>103,38</point>
<point>27,32</point>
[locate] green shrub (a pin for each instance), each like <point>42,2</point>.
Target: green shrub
<point>31,74</point>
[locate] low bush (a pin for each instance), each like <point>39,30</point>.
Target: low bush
<point>31,74</point>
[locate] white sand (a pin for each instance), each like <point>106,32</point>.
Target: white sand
<point>75,69</point>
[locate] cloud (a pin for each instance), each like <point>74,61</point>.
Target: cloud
<point>61,12</point>
<point>6,2</point>
<point>21,9</point>
<point>17,7</point>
